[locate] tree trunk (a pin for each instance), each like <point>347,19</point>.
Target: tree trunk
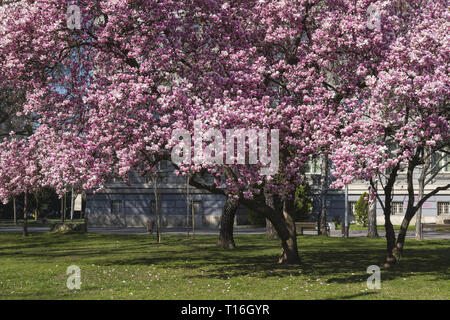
<point>390,238</point>
<point>226,239</point>
<point>423,174</point>
<point>25,215</point>
<point>15,210</point>
<point>419,233</point>
<point>63,212</point>
<point>271,232</point>
<point>193,219</point>
<point>290,255</point>
<point>410,212</point>
<point>398,250</point>
<point>36,209</point>
<point>322,226</point>
<point>157,209</point>
<point>390,233</point>
<point>286,234</point>
<point>288,240</point>
<point>71,205</point>
<point>85,217</point>
<point>187,205</point>
<point>372,216</point>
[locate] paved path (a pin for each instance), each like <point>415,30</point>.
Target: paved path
<point>237,230</point>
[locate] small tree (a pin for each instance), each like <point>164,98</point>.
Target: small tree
<point>303,202</point>
<point>362,209</point>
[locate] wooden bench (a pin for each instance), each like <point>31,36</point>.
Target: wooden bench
<point>305,225</point>
<point>435,226</point>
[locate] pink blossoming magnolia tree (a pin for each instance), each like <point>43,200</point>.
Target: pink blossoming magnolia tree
<point>110,95</point>
<point>20,173</point>
<point>403,117</point>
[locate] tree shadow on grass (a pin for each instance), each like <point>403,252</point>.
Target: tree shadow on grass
<point>336,260</point>
<point>352,296</point>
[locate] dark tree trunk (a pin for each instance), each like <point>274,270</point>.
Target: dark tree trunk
<point>288,239</point>
<point>15,210</point>
<point>63,209</point>
<point>398,250</point>
<point>36,209</point>
<point>410,212</point>
<point>322,226</point>
<point>25,215</point>
<point>287,235</point>
<point>271,232</point>
<point>226,239</point>
<point>390,238</point>
<point>390,233</point>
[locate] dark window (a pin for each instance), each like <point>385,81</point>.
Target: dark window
<point>116,206</point>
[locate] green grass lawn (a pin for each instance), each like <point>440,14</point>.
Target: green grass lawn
<point>135,267</point>
<point>380,227</point>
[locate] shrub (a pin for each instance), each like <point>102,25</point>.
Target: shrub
<point>69,227</point>
<point>362,209</point>
<point>303,202</point>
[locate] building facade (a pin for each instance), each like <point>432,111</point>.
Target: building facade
<point>132,204</point>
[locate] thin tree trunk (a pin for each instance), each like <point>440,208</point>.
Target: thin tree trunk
<point>193,219</point>
<point>25,215</point>
<point>226,239</point>
<point>372,215</point>
<point>85,217</point>
<point>71,205</point>
<point>322,227</point>
<point>423,174</point>
<point>410,212</point>
<point>36,209</point>
<point>271,232</point>
<point>63,216</point>
<point>389,228</point>
<point>157,207</point>
<point>15,210</point>
<point>62,208</point>
<point>187,205</point>
<point>419,231</point>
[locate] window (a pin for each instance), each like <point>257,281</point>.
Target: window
<point>163,165</point>
<point>443,208</point>
<point>397,208</point>
<point>116,207</point>
<point>313,166</point>
<point>153,207</point>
